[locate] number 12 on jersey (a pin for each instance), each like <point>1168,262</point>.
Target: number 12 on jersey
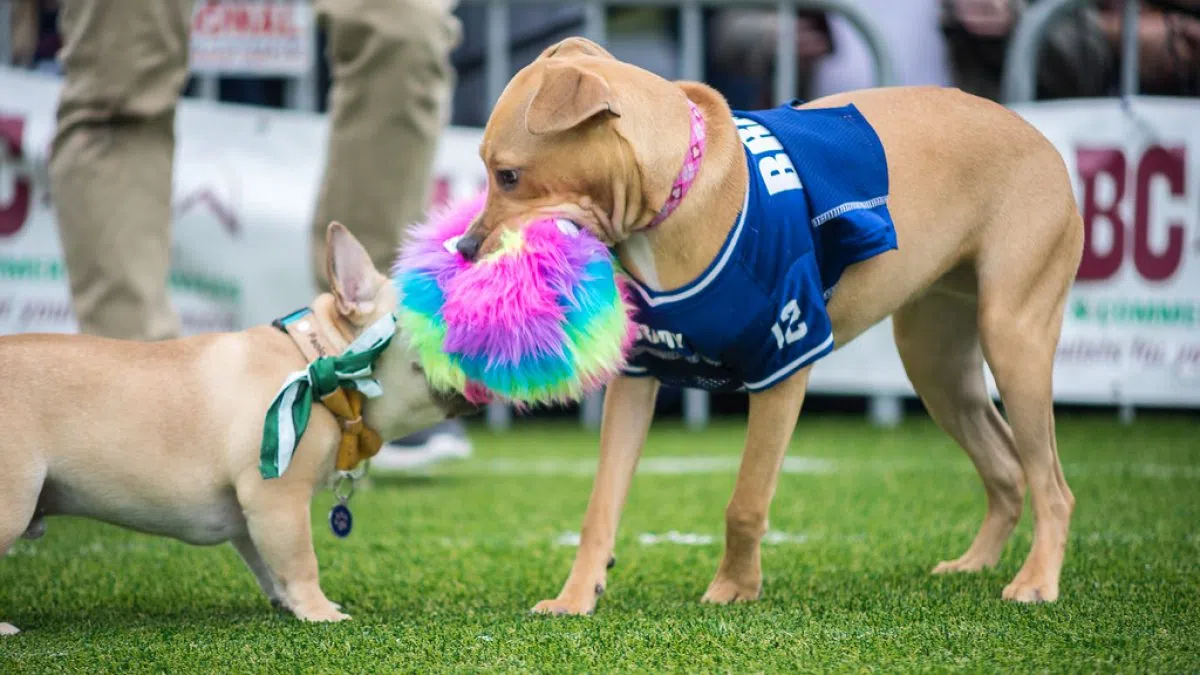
<point>789,328</point>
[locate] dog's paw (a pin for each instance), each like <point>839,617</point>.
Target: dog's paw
<point>326,614</point>
<point>1030,591</point>
<point>724,590</point>
<point>565,607</point>
<point>967,563</point>
<point>8,629</point>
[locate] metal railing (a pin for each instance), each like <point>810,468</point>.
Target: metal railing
<point>1019,84</point>
<point>691,26</point>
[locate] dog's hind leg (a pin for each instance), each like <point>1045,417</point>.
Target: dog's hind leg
<point>1021,312</point>
<point>938,339</point>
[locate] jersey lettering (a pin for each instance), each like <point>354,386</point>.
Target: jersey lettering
<point>796,329</point>
<point>778,173</point>
<point>776,168</point>
<point>665,338</point>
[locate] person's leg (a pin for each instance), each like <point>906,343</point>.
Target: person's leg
<point>389,101</point>
<point>388,104</point>
<point>125,66</point>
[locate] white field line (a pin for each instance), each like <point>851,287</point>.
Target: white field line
<point>570,539</point>
<point>772,538</point>
<point>661,466</point>
<point>776,538</point>
<point>728,464</point>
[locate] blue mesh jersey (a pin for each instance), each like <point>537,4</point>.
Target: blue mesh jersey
<point>816,203</point>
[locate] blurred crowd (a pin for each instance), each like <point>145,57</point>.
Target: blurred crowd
<point>394,72</point>
<point>940,42</point>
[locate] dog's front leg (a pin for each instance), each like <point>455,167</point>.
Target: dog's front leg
<point>278,518</point>
<point>628,411</point>
<point>253,559</point>
<point>773,415</point>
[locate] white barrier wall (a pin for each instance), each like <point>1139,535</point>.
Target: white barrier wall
<point>245,189</point>
<point>246,182</point>
<point>1132,326</point>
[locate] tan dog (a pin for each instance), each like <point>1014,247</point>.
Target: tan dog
<point>989,240</point>
<point>164,437</point>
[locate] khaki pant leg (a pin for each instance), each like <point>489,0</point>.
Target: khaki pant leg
<point>112,158</point>
<point>389,102</point>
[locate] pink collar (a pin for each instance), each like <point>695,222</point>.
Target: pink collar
<point>691,167</point>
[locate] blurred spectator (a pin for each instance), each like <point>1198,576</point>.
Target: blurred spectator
<point>913,37</point>
<point>1168,44</point>
<point>647,37</point>
<point>125,65</point>
<point>741,54</point>
<point>643,36</point>
<point>35,40</point>
<point>1076,59</point>
<point>24,29</point>
<point>531,28</point>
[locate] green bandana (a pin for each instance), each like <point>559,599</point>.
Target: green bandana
<point>287,418</point>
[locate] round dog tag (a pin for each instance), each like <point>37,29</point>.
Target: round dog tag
<point>340,520</point>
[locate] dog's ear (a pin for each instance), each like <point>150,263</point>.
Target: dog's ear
<point>566,97</point>
<point>575,46</point>
<point>353,278</point>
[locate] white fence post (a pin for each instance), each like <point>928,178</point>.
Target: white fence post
<point>785,53</point>
<point>591,410</point>
<point>696,404</point>
<point>885,411</point>
<point>1129,50</point>
<point>691,29</point>
<point>208,87</point>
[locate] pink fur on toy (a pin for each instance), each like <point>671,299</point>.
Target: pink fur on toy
<point>543,319</point>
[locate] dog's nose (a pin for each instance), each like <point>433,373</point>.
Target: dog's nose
<point>469,245</point>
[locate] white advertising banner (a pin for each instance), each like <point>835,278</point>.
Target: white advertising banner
<point>252,37</point>
<point>1132,326</point>
<point>245,189</point>
<point>247,178</point>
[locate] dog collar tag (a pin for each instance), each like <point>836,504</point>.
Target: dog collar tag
<point>341,521</point>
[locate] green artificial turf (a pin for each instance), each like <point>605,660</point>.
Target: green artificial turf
<point>441,570</point>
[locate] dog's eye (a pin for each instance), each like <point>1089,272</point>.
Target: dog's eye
<point>507,179</point>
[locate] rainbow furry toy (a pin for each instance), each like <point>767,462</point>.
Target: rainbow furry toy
<point>543,320</point>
